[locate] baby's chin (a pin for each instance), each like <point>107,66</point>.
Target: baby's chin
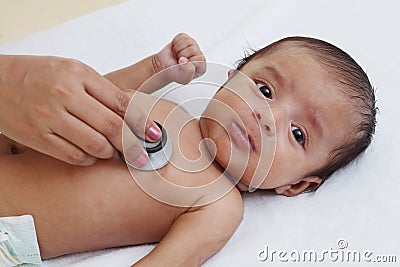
<point>242,187</point>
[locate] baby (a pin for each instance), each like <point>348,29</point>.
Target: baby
<point>302,110</point>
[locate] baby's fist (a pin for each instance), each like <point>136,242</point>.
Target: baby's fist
<point>185,52</point>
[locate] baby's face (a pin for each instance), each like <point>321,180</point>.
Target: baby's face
<point>310,118</point>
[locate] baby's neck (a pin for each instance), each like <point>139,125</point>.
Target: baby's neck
<point>211,148</point>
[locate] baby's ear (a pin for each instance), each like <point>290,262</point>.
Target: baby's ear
<point>307,183</point>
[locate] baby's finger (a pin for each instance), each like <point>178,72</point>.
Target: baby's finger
<point>183,41</point>
<point>186,72</point>
<point>189,52</point>
<point>179,38</point>
<point>200,63</point>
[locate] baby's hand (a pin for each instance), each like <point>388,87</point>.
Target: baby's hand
<point>182,51</point>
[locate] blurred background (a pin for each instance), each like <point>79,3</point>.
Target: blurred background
<point>19,18</point>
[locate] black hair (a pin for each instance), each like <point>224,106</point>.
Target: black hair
<point>354,84</point>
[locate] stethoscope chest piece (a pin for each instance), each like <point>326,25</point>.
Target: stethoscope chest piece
<point>159,152</point>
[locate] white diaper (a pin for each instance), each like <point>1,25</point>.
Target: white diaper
<point>18,242</point>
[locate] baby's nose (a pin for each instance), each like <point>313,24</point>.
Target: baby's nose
<point>266,121</point>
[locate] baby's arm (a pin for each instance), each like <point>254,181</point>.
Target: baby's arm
<point>182,49</point>
<point>197,235</point>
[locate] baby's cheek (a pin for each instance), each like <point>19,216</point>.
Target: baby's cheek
<point>283,171</point>
<point>223,153</point>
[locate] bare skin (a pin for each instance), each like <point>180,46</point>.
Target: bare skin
<point>78,208</point>
<point>87,208</point>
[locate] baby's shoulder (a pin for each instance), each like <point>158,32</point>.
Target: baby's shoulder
<point>165,104</point>
<point>151,103</point>
<point>172,105</point>
<point>230,204</point>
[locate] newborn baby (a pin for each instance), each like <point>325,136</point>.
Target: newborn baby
<point>287,118</point>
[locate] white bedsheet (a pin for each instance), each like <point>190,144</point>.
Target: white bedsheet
<point>358,204</point>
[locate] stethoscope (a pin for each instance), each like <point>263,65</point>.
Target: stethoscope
<point>159,152</point>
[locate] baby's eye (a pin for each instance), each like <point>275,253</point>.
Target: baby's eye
<point>265,90</point>
<point>298,134</point>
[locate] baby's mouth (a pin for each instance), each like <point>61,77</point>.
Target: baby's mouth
<point>240,137</point>
<point>250,128</point>
<point>251,142</point>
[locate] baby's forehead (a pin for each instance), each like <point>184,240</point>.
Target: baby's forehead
<point>291,67</point>
<point>290,55</point>
<point>285,49</point>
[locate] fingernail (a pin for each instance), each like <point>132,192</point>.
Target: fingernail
<point>154,133</point>
<point>141,161</point>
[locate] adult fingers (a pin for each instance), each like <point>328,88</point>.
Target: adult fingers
<point>62,149</point>
<point>139,123</point>
<point>106,122</point>
<point>100,118</point>
<point>133,150</point>
<point>93,143</point>
<point>83,136</point>
<point>117,101</point>
<point>106,93</point>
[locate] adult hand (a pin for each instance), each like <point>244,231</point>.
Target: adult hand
<point>65,109</point>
